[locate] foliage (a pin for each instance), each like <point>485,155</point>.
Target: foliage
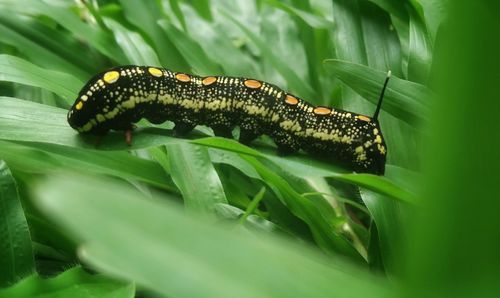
<point>253,224</point>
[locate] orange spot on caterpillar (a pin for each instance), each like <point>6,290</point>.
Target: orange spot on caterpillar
<point>322,111</point>
<point>209,81</point>
<point>364,118</point>
<point>254,84</point>
<point>291,100</point>
<point>183,77</point>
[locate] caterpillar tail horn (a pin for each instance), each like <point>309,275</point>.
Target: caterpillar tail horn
<point>379,104</point>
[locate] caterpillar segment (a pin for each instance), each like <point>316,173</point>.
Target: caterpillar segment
<point>121,96</point>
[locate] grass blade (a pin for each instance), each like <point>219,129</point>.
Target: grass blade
<point>403,99</point>
<point>179,257</point>
<point>43,158</point>
<point>195,176</point>
<point>16,253</point>
<point>13,69</point>
<point>72,283</point>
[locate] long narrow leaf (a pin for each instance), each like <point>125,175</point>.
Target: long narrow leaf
<point>14,69</point>
<point>403,99</point>
<point>194,174</point>
<point>75,282</point>
<point>177,256</point>
<point>16,253</point>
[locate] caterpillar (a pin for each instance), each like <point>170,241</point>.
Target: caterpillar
<point>121,96</point>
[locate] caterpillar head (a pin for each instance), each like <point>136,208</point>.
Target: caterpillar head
<point>108,100</point>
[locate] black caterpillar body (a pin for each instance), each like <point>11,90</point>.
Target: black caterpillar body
<point>119,97</point>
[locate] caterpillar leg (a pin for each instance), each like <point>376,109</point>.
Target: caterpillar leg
<point>183,128</point>
<point>247,136</point>
<point>285,143</point>
<point>128,137</point>
<point>285,150</point>
<point>127,128</point>
<point>223,131</point>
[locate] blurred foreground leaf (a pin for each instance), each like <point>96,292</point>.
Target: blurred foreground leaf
<point>156,245</point>
<point>455,248</point>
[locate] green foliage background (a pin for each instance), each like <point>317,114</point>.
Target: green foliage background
<point>209,217</point>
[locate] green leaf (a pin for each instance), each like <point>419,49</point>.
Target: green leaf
<point>391,218</point>
<point>193,173</point>
<point>220,47</point>
<point>96,37</point>
<point>306,168</point>
<point>145,15</point>
<point>379,184</point>
<point>201,63</point>
<point>405,100</point>
<point>420,51</point>
<point>294,82</point>
<point>136,49</point>
<point>75,282</point>
<point>394,7</point>
<point>20,34</point>
<point>435,12</point>
<point>309,212</point>
<point>177,256</point>
<point>349,46</point>
<point>13,69</point>
<point>308,18</point>
<point>16,253</point>
<point>383,48</point>
<point>42,158</point>
<point>227,144</point>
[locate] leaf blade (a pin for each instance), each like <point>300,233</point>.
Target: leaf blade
<point>17,259</point>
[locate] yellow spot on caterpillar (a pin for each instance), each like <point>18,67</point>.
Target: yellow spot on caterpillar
<point>165,99</point>
<point>381,148</point>
<point>287,124</point>
<point>111,76</point>
<point>87,126</point>
<point>291,100</point>
<point>79,105</point>
<point>322,111</point>
<point>378,139</point>
<point>84,97</point>
<point>346,139</point>
<point>129,104</point>
<point>364,118</point>
<point>254,84</point>
<point>359,150</point>
<point>111,114</point>
<point>100,118</point>
<point>209,81</point>
<point>183,77</point>
<point>375,131</point>
<point>361,157</point>
<point>155,71</point>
